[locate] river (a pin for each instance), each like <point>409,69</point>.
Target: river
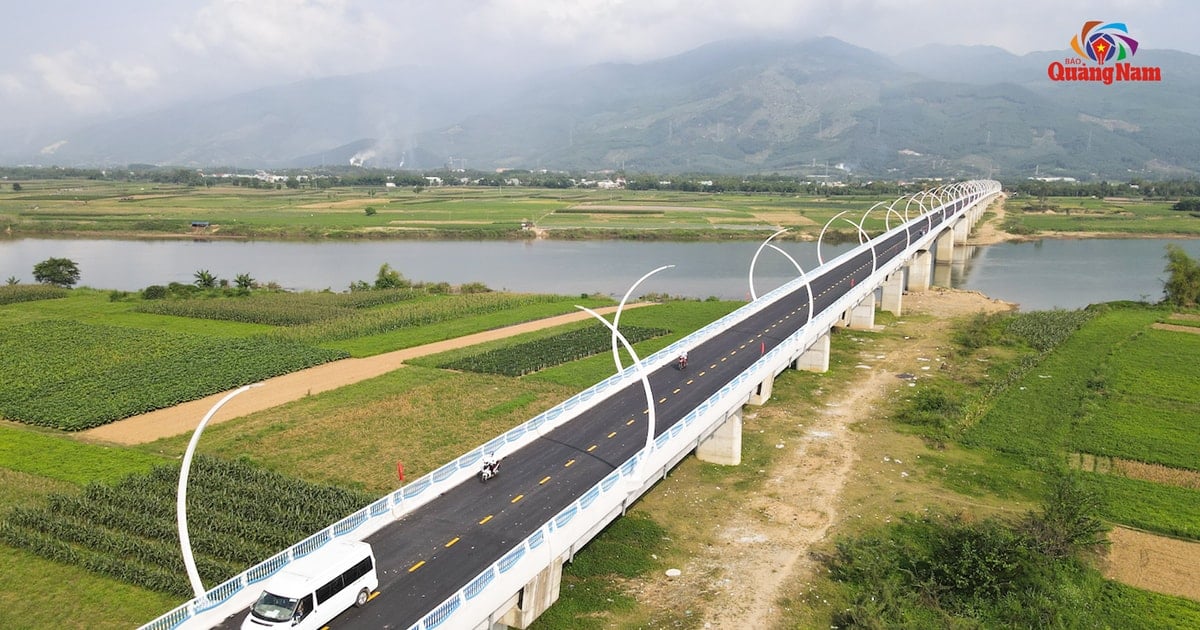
<point>1067,273</point>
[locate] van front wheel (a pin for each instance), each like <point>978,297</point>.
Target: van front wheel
<point>362,598</point>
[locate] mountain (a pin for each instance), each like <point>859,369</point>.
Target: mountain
<point>733,106</point>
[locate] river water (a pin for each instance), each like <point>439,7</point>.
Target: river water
<point>1067,273</point>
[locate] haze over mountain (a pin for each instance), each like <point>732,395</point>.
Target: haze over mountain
<point>737,106</point>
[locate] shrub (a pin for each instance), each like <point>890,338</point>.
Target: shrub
<point>154,292</point>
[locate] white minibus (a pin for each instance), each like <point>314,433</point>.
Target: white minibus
<point>308,592</point>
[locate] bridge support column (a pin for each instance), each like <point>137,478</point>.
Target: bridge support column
<point>724,446</point>
<point>962,229</point>
<point>762,393</point>
<point>816,358</point>
<point>862,317</point>
<point>945,247</point>
<point>919,270</point>
<point>893,292</point>
<point>535,597</point>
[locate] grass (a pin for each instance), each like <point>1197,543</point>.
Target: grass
<point>1147,505</point>
<point>52,456</point>
<point>119,208</point>
<point>1125,216</point>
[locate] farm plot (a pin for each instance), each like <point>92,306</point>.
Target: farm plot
<point>240,515</point>
<point>1150,410</point>
<point>13,293</point>
<point>419,312</point>
<point>532,356</point>
<point>72,376</point>
<point>279,308</point>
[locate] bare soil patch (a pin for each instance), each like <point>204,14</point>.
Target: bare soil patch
<point>1177,328</point>
<point>1155,473</point>
<point>1155,563</point>
<point>276,391</point>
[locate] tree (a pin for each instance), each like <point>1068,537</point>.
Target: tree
<point>244,281</point>
<point>60,272</point>
<point>1069,520</point>
<point>389,278</point>
<point>16,187</point>
<point>1182,287</point>
<point>370,211</point>
<point>1187,205</point>
<point>13,280</point>
<point>205,280</point>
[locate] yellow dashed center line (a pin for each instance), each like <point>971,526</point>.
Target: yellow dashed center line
<point>568,464</point>
<point>451,543</point>
<point>416,566</point>
<point>631,421</point>
<point>517,498</point>
<point>610,435</point>
<point>591,448</point>
<point>676,391</point>
<point>713,366</point>
<point>742,347</point>
<point>691,380</point>
<point>733,352</point>
<point>724,359</point>
<point>486,519</point>
<point>544,480</point>
<point>663,400</point>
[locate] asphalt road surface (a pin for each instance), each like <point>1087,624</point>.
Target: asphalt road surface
<point>433,552</point>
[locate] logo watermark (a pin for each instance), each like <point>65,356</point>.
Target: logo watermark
<point>1103,51</point>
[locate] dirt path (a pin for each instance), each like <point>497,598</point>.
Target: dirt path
<point>763,549</point>
<point>276,391</point>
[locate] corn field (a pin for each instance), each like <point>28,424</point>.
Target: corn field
<point>524,358</point>
<point>73,376</point>
<point>238,516</point>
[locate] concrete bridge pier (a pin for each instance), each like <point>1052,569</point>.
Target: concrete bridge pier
<point>762,393</point>
<point>893,292</point>
<point>862,316</point>
<point>962,229</point>
<point>945,247</point>
<point>533,599</point>
<point>724,446</point>
<point>919,271</point>
<point>816,358</point>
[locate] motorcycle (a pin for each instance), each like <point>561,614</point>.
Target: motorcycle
<point>488,471</point>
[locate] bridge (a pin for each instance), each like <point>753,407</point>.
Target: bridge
<point>471,555</point>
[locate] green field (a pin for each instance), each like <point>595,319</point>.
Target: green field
<point>1112,216</point>
<point>421,416</point>
<point>122,208</point>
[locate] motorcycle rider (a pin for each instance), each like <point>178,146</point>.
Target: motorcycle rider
<point>490,464</point>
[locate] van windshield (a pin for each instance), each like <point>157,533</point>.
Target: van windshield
<point>274,607</point>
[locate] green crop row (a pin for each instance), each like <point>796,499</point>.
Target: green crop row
<point>419,312</point>
<point>279,308</point>
<point>72,376</point>
<point>13,293</point>
<point>238,515</point>
<point>1147,406</point>
<point>524,358</point>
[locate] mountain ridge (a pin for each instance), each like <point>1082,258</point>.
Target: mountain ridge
<point>748,106</point>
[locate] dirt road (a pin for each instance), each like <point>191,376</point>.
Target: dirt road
<point>283,389</point>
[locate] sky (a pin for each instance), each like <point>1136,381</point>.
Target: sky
<point>72,61</point>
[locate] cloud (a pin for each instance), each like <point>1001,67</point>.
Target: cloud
<point>134,76</point>
<point>67,75</point>
<point>289,37</point>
